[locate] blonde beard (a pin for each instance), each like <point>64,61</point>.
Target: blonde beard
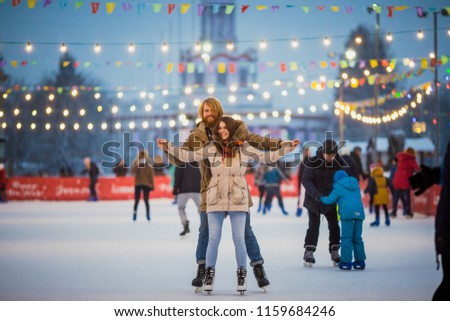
<point>208,124</point>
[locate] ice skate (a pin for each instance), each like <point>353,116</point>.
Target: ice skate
<point>359,265</point>
<point>261,277</point>
<point>209,280</point>
<point>197,282</point>
<point>308,257</point>
<point>134,215</point>
<point>186,231</point>
<point>241,280</point>
<point>335,254</point>
<point>345,266</point>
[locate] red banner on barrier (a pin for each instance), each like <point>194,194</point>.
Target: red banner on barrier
<point>122,188</point>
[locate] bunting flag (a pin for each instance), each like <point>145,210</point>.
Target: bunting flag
<point>94,7</point>
<point>200,9</point>
<point>185,8</point>
<point>229,8</point>
<point>78,4</point>
<point>157,7</point>
<point>140,8</point>
<point>215,8</point>
<point>170,8</point>
<point>47,3</point>
<point>110,7</point>
<point>62,4</point>
<point>126,6</point>
<point>15,3</point>
<point>31,4</point>
<point>244,8</point>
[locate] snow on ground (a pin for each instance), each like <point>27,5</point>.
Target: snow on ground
<point>94,251</point>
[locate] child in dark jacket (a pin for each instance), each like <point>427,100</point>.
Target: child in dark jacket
<point>347,195</point>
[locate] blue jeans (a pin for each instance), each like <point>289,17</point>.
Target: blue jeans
<point>215,222</point>
<point>251,243</point>
<point>351,241</point>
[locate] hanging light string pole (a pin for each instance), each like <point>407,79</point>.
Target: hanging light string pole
<point>436,86</point>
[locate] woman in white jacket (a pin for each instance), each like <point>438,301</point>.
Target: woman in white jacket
<point>227,192</point>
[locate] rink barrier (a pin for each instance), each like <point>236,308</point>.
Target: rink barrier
<point>122,188</point>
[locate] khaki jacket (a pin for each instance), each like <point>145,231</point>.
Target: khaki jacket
<point>228,188</point>
<point>198,139</point>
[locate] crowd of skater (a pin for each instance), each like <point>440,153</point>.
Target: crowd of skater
<point>210,169</point>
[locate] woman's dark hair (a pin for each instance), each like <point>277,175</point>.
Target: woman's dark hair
<point>231,126</point>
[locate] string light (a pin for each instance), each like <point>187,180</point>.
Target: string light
<point>29,47</point>
<point>97,48</point>
<point>230,45</point>
<point>63,48</point>
<point>207,47</point>
<point>420,34</point>
<point>165,47</point>
<point>131,48</point>
<point>358,40</point>
<point>389,37</point>
<point>262,44</point>
<point>294,43</point>
<point>197,46</point>
<point>326,41</point>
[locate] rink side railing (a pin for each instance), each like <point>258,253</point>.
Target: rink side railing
<point>122,188</point>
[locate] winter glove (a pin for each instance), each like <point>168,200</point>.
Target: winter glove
<point>424,179</point>
<point>299,212</point>
<point>318,196</point>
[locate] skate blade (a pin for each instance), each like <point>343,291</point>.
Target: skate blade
<point>241,292</point>
<point>264,288</point>
<point>308,264</point>
<point>208,292</point>
<point>198,289</point>
<point>335,264</point>
<point>186,236</point>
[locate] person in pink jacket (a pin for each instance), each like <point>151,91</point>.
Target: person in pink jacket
<point>407,165</point>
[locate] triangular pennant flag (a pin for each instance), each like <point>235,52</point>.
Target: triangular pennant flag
<point>47,3</point>
<point>424,63</point>
<point>335,8</point>
<point>169,67</point>
<point>275,8</point>
<point>312,64</point>
<point>140,8</point>
<point>262,67</point>
<point>76,64</point>
<point>323,64</point>
<point>293,66</point>
<point>87,64</point>
<point>66,64</point>
<point>190,67</point>
<point>343,64</point>
<point>384,63</point>
<point>23,63</point>
<point>362,81</point>
<point>373,63</point>
<point>401,8</point>
<point>15,3</point>
<point>349,9</point>
<point>229,8</point>
<point>200,9</point>
<point>290,6</point>
<point>259,8</point>
<point>110,7</point>
<point>447,10</point>
<point>181,68</point>
<point>139,64</point>
<point>390,11</point>
<point>320,8</point>
<point>283,67</point>
<point>127,6</point>
<point>170,8</point>
<point>157,7</point>
<point>362,64</point>
<point>305,9</point>
<point>62,4</point>
<point>333,64</point>
<point>330,84</point>
<point>78,4</point>
<point>215,8</point>
<point>419,11</point>
<point>314,84</point>
<point>371,79</point>
<point>185,8</point>
<point>244,8</point>
<point>200,68</point>
<point>94,7</point>
<point>221,68</point>
<point>393,63</point>
<point>31,4</point>
<point>158,66</point>
<point>59,90</point>
<point>444,60</point>
<point>231,68</point>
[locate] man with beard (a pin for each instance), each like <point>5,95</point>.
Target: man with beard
<point>210,110</point>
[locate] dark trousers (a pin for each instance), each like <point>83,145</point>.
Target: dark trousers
<point>443,291</point>
<point>405,196</point>
<point>261,190</point>
<point>137,196</point>
<point>270,193</point>
<point>377,212</point>
<point>92,188</point>
<point>312,234</point>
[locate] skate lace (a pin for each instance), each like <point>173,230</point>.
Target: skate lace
<point>209,276</point>
<point>201,271</point>
<point>259,272</point>
<point>241,274</point>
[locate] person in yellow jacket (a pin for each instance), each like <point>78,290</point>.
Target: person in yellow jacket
<point>379,187</point>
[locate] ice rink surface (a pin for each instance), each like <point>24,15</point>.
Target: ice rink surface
<point>94,251</point>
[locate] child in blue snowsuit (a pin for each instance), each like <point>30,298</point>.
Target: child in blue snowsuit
<point>347,195</point>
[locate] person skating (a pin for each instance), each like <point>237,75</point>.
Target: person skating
<point>91,169</point>
<point>209,111</point>
<point>186,187</point>
<point>227,192</point>
<point>420,182</point>
<point>143,181</point>
<point>318,181</point>
<point>347,195</point>
<point>272,178</point>
<point>379,187</point>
